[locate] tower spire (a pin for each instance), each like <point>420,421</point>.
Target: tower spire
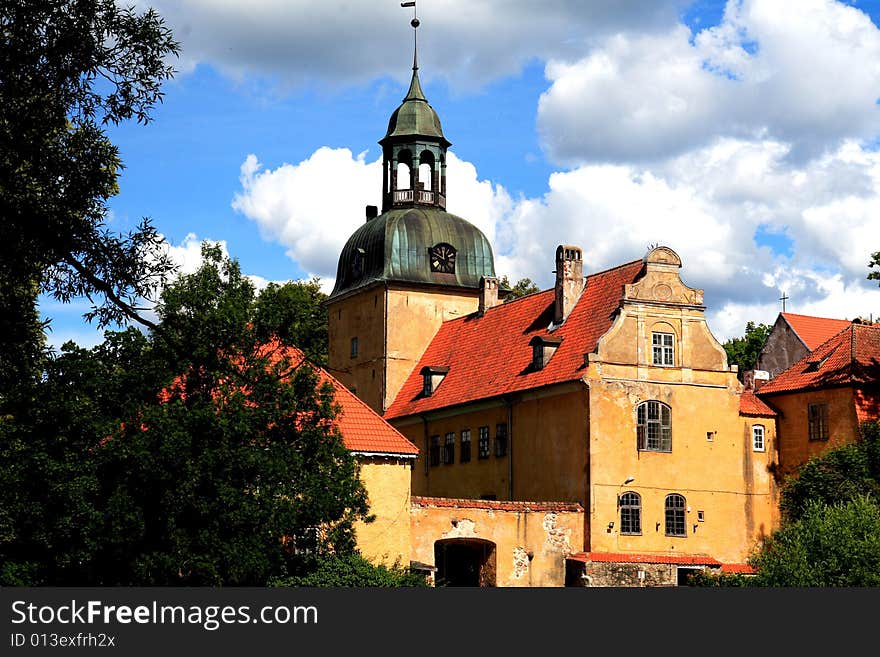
<point>415,24</point>
<point>415,87</point>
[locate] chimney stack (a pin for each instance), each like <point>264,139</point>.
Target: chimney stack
<point>754,379</point>
<point>569,280</point>
<point>372,212</point>
<point>488,294</point>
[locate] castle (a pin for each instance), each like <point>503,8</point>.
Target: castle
<point>589,434</point>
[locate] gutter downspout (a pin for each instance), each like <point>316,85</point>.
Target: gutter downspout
<point>588,500</point>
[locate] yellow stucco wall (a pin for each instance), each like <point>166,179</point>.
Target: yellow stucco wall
<point>414,316</point>
<point>712,462</point>
<point>387,538</point>
<point>795,446</point>
<point>387,350</point>
<point>530,545</point>
<point>546,448</point>
<point>361,315</point>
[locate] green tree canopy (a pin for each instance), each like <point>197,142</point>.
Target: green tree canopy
<point>839,475</point>
<point>295,314</point>
<point>205,456</point>
<point>744,351</point>
<point>829,545</point>
<point>521,288</point>
<point>68,68</point>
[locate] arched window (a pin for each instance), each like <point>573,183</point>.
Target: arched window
<point>654,427</point>
<point>403,177</point>
<point>675,510</point>
<point>630,513</point>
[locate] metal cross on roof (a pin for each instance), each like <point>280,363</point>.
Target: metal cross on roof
<point>783,299</point>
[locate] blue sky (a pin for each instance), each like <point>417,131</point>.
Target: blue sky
<point>743,135</point>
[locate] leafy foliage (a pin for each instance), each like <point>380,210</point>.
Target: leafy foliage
<point>839,475</point>
<point>521,288</point>
<point>294,314</point>
<point>744,351</point>
<point>67,68</point>
<point>830,545</point>
<point>215,480</point>
<point>875,262</point>
<point>353,570</point>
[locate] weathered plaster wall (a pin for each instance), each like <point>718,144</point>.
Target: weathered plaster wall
<point>532,539</point>
<point>795,446</point>
<point>386,539</point>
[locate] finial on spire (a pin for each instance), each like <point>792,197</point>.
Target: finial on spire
<point>415,24</point>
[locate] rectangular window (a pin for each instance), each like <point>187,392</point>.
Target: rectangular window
<point>817,416</point>
<point>449,449</point>
<point>500,440</point>
<point>662,349</point>
<point>435,451</point>
<point>483,443</point>
<point>354,347</point>
<point>465,446</point>
<point>758,437</point>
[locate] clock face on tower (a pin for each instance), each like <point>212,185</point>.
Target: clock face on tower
<point>442,258</point>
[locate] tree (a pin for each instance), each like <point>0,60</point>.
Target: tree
<point>744,351</point>
<point>295,314</point>
<point>50,521</point>
<point>875,262</point>
<point>68,68</point>
<point>830,545</point>
<point>221,479</point>
<point>521,288</point>
<point>838,475</point>
<point>353,570</point>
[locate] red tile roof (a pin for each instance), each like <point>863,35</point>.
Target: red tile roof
<point>749,404</point>
<point>813,331</point>
<point>495,505</point>
<point>852,357</point>
<point>740,568</point>
<point>496,345</point>
<point>622,557</point>
<point>362,429</point>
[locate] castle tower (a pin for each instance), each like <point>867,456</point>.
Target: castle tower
<point>408,269</point>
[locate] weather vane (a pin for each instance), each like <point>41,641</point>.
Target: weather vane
<point>415,23</point>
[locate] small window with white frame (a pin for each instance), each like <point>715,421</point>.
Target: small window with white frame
<point>663,349</point>
<point>758,440</point>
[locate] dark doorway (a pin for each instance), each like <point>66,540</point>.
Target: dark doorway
<point>683,574</point>
<point>465,562</point>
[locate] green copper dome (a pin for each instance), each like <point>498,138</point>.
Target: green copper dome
<point>415,116</point>
<point>397,246</point>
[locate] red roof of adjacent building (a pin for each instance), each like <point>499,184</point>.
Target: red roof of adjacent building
<point>362,429</point>
<point>740,568</point>
<point>489,355</point>
<point>852,357</point>
<point>495,505</point>
<point>813,331</point>
<point>749,404</point>
<point>623,557</point>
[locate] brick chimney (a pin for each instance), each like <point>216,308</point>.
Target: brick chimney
<point>488,294</point>
<point>754,379</point>
<point>569,280</point>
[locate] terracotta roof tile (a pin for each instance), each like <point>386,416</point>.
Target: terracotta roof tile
<point>496,345</point>
<point>813,331</point>
<point>749,404</point>
<point>362,429</point>
<point>495,505</point>
<point>740,568</point>
<point>851,357</point>
<point>623,557</point>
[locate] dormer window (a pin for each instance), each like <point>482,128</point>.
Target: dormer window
<point>432,376</point>
<point>543,348</point>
